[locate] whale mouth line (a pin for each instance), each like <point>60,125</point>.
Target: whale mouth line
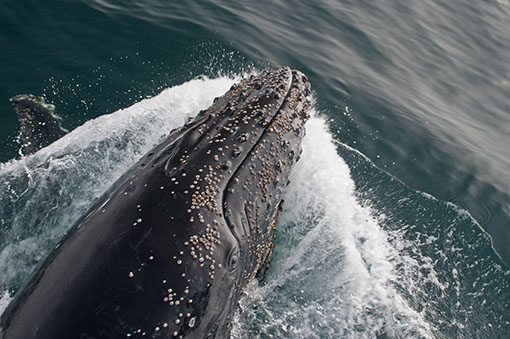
<point>241,165</point>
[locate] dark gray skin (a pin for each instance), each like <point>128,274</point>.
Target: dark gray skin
<point>39,126</point>
<point>167,251</point>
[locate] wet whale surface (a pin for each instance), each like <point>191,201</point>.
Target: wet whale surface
<point>167,250</point>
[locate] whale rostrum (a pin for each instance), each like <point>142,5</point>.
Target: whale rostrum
<point>167,251</point>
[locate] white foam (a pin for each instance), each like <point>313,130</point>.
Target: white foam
<point>5,299</point>
<point>333,271</point>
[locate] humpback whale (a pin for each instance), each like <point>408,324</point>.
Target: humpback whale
<point>39,125</point>
<point>168,249</point>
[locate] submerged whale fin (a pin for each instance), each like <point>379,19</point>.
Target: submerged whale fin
<point>39,125</point>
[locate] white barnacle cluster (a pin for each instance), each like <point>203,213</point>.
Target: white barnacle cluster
<point>201,248</point>
<point>205,197</point>
<point>173,299</point>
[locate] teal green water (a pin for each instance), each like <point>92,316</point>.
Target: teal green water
<point>421,89</point>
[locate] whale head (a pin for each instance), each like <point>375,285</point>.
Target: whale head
<point>167,251</point>
<point>226,173</point>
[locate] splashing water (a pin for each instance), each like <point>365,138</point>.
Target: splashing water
<point>333,270</point>
<point>358,255</point>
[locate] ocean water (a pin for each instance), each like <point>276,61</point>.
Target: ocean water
<point>397,220</point>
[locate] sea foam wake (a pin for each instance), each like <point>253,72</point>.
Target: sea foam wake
<point>342,267</point>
